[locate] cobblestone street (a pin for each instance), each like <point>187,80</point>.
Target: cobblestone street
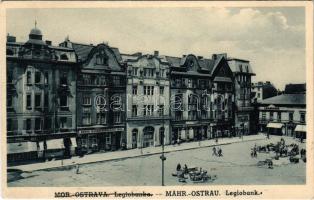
<point>235,167</point>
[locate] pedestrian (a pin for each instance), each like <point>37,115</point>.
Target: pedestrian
<point>185,169</point>
<point>214,151</point>
<point>178,167</point>
<point>77,169</point>
<point>219,152</point>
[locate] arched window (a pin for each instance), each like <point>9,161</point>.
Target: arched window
<point>64,57</point>
<point>148,136</point>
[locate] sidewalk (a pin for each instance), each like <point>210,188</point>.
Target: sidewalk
<point>108,156</point>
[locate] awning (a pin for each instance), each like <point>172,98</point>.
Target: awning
<point>73,141</point>
<point>55,144</point>
<point>300,128</point>
<point>21,147</point>
<point>274,125</point>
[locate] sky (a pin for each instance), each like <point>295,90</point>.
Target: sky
<point>272,39</point>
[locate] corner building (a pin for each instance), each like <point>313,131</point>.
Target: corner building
<point>41,99</point>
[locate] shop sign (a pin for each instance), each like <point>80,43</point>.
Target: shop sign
<point>91,131</point>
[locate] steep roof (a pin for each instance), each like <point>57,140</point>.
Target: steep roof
<point>82,51</point>
<point>295,88</point>
<point>286,99</point>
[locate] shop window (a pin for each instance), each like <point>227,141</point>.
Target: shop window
<point>108,139</point>
<point>63,122</point>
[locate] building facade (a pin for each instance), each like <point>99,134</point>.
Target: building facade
<point>201,97</point>
<point>283,115</point>
<point>101,97</point>
<point>41,98</point>
<point>147,97</point>
<point>263,90</point>
<point>243,109</point>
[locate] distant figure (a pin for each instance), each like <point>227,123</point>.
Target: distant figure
<point>214,151</point>
<point>77,169</point>
<point>185,169</point>
<point>178,167</point>
<point>219,152</point>
<point>216,140</point>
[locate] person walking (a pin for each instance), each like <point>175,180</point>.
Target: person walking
<point>214,151</point>
<point>178,167</point>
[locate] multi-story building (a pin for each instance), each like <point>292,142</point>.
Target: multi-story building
<point>243,110</point>
<point>263,90</point>
<point>100,97</point>
<point>201,97</point>
<point>41,98</point>
<point>283,115</point>
<point>147,97</point>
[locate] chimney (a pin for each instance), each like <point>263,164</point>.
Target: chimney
<point>214,56</point>
<point>184,56</point>
<point>156,53</point>
<point>48,42</point>
<point>11,38</point>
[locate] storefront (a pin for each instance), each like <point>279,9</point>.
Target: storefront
<point>94,140</point>
<point>300,131</point>
<point>22,151</point>
<point>274,128</point>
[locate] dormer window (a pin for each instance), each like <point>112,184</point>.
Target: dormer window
<point>64,57</point>
<point>102,59</point>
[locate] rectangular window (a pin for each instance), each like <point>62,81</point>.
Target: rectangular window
<point>46,78</point>
<point>28,124</point>
<point>38,124</point>
<point>279,116</point>
<point>37,100</point>
<point>63,101</point>
<point>46,100</point>
<point>101,118</point>
<point>271,116</point>
<point>145,90</point>
<point>134,110</point>
<point>87,100</point>
<point>134,90</point>
<point>302,117</point>
<point>29,77</point>
<point>9,125</point>
<point>37,77</point>
<point>291,116</point>
<point>28,102</point>
<point>144,110</point>
<point>9,101</point>
<point>152,90</point>
<point>63,122</point>
<point>108,139</point>
<point>117,117</point>
<point>161,110</point>
<point>86,119</point>
<point>161,90</point>
<point>134,71</point>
